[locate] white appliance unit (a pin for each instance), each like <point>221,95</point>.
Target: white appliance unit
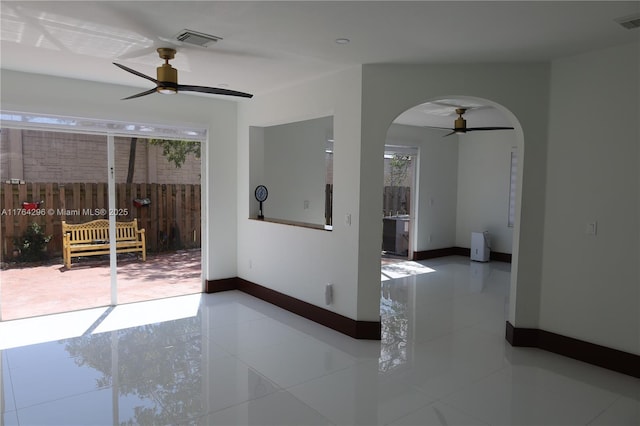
<point>480,246</point>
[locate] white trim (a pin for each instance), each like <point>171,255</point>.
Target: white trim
<point>92,125</point>
<point>111,179</point>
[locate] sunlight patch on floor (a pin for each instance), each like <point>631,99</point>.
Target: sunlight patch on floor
<point>403,269</point>
<point>47,328</point>
<point>151,312</point>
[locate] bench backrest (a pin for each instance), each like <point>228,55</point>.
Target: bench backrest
<point>98,230</point>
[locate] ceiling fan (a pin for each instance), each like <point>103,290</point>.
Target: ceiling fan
<point>460,125</point>
<point>167,79</point>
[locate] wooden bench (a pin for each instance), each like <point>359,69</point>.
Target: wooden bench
<point>92,239</point>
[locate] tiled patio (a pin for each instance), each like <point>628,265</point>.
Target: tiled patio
<point>52,288</point>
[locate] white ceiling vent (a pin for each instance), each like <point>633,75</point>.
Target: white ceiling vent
<point>199,39</point>
<point>630,22</point>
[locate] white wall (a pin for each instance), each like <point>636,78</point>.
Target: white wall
<point>294,170</point>
<point>78,98</point>
<point>300,261</point>
<point>591,283</point>
<point>484,169</point>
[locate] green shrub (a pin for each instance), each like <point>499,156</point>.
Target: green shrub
<point>32,244</point>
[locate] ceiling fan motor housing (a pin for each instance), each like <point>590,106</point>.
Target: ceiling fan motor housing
<point>167,79</point>
<point>460,124</point>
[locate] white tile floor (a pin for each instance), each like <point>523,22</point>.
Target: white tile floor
<point>229,359</point>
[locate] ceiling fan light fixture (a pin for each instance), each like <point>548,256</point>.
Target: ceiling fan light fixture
<point>167,90</point>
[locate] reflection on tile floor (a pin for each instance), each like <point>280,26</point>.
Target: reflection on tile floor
<point>228,358</point>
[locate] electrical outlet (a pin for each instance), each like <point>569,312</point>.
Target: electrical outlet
<point>592,228</point>
<point>328,294</point>
<point>306,204</point>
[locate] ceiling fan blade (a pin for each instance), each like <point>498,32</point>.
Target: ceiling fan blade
<point>132,71</point>
<point>137,95</point>
<point>212,90</point>
<point>449,134</point>
<point>471,129</point>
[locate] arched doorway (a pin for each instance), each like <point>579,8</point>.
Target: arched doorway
<point>464,183</point>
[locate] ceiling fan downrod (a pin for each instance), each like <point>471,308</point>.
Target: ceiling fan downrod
<point>167,75</point>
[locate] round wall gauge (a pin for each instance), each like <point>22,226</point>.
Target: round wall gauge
<point>261,193</point>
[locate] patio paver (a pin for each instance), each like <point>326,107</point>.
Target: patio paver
<point>52,288</point>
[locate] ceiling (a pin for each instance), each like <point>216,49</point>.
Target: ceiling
<point>269,45</point>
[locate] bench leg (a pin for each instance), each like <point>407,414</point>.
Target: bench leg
<point>67,259</point>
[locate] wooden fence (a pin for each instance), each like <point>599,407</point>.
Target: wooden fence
<point>396,200</point>
<point>171,219</point>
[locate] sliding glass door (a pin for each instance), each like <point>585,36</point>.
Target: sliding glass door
<point>158,191</point>
<point>52,182</point>
<point>69,185</point>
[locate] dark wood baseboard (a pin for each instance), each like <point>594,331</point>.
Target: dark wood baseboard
<point>432,254</point>
<point>602,356</point>
<point>457,251</point>
<point>370,330</point>
<point>500,257</point>
<point>226,284</point>
<point>461,251</point>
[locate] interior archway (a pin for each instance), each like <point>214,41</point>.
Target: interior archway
<point>434,232</point>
